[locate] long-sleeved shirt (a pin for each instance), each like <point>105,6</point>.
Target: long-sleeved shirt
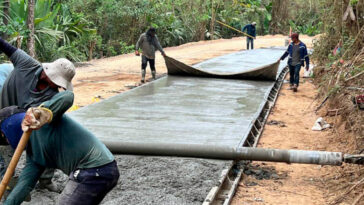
<point>20,86</point>
<point>148,49</point>
<point>302,52</point>
<point>62,144</point>
<point>250,30</point>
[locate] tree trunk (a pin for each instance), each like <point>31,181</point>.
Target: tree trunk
<point>279,16</point>
<point>6,16</point>
<point>212,23</point>
<point>92,46</point>
<point>30,24</point>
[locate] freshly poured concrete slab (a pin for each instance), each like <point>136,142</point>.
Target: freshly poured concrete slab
<point>242,61</point>
<point>180,110</point>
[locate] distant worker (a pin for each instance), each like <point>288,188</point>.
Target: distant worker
<point>30,84</point>
<point>251,31</point>
<point>298,55</point>
<point>149,43</point>
<point>57,141</point>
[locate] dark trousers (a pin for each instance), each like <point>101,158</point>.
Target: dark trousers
<point>251,41</point>
<point>294,74</point>
<point>145,61</point>
<point>90,186</point>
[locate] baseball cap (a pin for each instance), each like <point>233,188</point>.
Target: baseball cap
<point>294,35</point>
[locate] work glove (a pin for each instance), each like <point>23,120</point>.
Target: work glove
<point>35,118</point>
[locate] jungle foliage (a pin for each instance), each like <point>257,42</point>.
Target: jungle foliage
<point>81,30</point>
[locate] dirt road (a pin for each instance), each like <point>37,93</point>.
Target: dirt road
<point>293,119</point>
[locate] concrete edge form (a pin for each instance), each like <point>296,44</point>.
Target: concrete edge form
<point>224,194</point>
<point>257,127</point>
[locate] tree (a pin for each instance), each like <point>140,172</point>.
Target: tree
<point>279,16</point>
<point>213,17</point>
<point>30,24</point>
<point>6,16</point>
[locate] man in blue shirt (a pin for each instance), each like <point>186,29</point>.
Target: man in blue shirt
<point>252,32</point>
<point>298,55</point>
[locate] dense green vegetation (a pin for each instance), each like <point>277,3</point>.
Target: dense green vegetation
<point>81,30</point>
<point>340,74</point>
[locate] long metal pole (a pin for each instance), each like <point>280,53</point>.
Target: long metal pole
<point>219,152</point>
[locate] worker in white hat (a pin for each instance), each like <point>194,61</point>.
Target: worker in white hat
<point>251,31</point>
<point>60,72</point>
<point>32,83</point>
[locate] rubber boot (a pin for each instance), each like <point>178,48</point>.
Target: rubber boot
<point>153,75</point>
<point>295,88</point>
<point>143,76</point>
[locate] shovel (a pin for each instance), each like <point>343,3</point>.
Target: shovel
<point>14,161</point>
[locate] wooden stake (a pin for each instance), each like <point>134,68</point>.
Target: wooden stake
<point>14,161</point>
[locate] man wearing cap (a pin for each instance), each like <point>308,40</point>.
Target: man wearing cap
<point>251,31</point>
<point>31,83</point>
<point>58,141</point>
<point>297,56</point>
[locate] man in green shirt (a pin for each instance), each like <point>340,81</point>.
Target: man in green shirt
<point>57,141</point>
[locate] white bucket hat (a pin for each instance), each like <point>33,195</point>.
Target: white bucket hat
<point>254,23</point>
<point>60,72</point>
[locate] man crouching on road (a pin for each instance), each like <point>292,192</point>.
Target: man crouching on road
<point>57,141</point>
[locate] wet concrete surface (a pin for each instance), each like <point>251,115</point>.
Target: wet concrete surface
<point>241,61</point>
<point>182,110</point>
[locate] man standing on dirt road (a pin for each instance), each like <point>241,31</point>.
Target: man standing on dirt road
<point>149,43</point>
<point>32,83</point>
<point>252,32</point>
<point>298,55</point>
